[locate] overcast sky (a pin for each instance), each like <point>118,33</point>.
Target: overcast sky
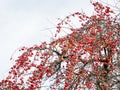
<point>23,22</point>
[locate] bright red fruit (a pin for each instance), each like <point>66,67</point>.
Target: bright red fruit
<point>87,58</point>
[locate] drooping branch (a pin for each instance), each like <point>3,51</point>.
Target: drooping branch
<point>87,58</point>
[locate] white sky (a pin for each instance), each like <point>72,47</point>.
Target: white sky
<point>21,22</point>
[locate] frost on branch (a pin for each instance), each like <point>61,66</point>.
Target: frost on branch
<point>87,58</point>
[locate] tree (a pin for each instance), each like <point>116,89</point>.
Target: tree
<point>86,59</point>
